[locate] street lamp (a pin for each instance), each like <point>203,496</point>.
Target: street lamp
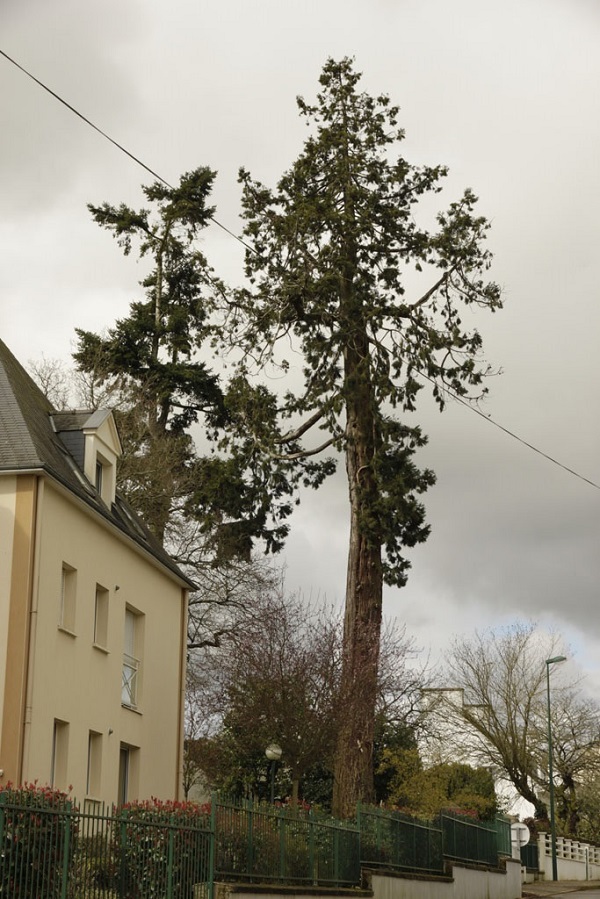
<point>273,752</point>
<point>549,662</point>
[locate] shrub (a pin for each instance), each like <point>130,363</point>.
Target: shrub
<point>38,833</point>
<point>157,843</point>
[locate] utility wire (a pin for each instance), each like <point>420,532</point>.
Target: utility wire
<point>116,143</point>
<point>510,433</point>
<point>251,249</point>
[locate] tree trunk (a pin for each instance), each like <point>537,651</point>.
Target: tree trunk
<point>353,776</point>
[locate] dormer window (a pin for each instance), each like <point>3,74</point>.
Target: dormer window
<point>103,467</point>
<point>93,443</point>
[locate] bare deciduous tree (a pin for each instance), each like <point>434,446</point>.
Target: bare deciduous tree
<point>276,677</point>
<point>502,698</point>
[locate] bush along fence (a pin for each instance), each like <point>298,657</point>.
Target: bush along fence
<point>52,848</point>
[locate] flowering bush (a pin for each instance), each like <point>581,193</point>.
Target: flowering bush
<point>38,833</point>
<point>160,843</point>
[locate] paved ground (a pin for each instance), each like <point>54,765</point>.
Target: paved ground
<point>572,888</point>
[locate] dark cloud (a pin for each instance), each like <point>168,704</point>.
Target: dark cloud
<point>506,95</point>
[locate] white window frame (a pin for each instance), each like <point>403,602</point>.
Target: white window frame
<point>68,598</point>
<point>130,680</point>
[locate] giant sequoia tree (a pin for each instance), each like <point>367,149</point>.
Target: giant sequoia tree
<point>342,273</point>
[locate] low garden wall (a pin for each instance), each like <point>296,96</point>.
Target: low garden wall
<point>463,883</point>
<point>575,860</point>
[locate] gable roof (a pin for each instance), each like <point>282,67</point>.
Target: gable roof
<point>29,441</point>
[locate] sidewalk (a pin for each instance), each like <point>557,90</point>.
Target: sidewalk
<point>541,888</point>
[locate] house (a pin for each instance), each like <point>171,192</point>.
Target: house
<point>93,612</point>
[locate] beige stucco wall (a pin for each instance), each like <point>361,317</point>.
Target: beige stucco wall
<point>74,681</point>
<point>7,523</point>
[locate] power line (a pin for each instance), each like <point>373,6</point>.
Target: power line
<point>115,143</point>
<point>510,433</point>
<point>251,249</point>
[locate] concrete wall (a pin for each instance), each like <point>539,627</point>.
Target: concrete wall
<point>466,883</point>
<point>574,860</point>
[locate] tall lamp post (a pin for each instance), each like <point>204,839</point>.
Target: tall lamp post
<point>549,662</point>
<point>273,752</point>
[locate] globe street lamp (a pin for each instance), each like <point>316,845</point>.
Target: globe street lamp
<point>549,662</point>
<point>273,752</point>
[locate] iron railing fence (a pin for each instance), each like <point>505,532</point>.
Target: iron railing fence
<point>504,836</point>
<point>530,856</point>
<point>260,842</point>
<point>36,848</point>
<point>466,839</point>
<point>394,840</point>
<point>139,852</point>
<point>102,853</point>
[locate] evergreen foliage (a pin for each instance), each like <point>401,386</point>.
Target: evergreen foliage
<point>344,278</point>
<point>155,362</point>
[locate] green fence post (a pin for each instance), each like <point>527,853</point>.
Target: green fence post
<point>282,832</point>
<point>212,846</point>
<point>170,857</point>
<point>336,856</point>
<point>250,834</point>
<point>66,851</point>
<point>359,825</point>
<point>2,822</point>
<point>311,851</point>
<point>123,854</point>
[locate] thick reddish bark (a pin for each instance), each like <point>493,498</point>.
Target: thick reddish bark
<point>362,623</point>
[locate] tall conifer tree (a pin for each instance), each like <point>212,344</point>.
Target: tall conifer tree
<point>342,273</point>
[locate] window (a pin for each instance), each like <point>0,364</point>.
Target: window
<point>128,773</point>
<point>101,617</point>
<point>130,685</point>
<point>94,764</point>
<point>104,478</point>
<point>60,750</point>
<point>99,470</point>
<point>68,592</point>
<point>124,763</point>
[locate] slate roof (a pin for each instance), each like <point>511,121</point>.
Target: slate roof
<point>29,441</point>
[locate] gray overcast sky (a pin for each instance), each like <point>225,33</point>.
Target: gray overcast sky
<point>504,92</point>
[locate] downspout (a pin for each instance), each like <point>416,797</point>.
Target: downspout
<point>34,593</point>
<point>182,680</point>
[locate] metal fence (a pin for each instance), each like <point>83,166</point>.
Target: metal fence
<point>102,853</point>
<point>256,842</point>
<point>394,840</point>
<point>139,852</point>
<point>530,857</point>
<point>504,835</point>
<point>466,839</point>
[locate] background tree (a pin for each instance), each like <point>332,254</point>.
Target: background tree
<point>575,753</point>
<point>425,791</point>
<point>277,679</point>
<point>156,358</point>
<point>342,273</point>
<point>503,676</point>
<point>226,582</point>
